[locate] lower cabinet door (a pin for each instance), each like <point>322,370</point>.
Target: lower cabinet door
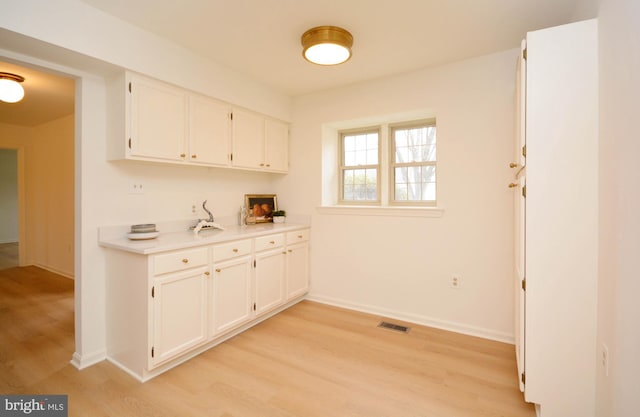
<point>231,294</point>
<point>297,270</point>
<point>269,280</point>
<point>179,314</point>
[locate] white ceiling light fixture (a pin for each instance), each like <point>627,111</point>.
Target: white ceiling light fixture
<point>327,45</point>
<point>10,89</point>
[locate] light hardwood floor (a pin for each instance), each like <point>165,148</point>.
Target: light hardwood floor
<point>311,360</point>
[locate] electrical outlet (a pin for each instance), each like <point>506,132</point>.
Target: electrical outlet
<point>136,187</point>
<point>605,359</point>
<point>456,281</point>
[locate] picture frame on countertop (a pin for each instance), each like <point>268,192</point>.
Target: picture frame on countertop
<point>261,206</point>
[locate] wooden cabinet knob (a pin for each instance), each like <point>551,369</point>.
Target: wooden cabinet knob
<point>185,261</point>
<point>513,185</point>
<point>513,165</point>
<point>194,156</point>
<point>235,250</point>
<point>218,270</point>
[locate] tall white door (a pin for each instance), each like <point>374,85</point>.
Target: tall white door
<point>519,167</point>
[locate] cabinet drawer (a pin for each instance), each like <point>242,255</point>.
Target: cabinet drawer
<point>176,261</point>
<point>269,242</point>
<point>297,236</point>
<point>231,250</point>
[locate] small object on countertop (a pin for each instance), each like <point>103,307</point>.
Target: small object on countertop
<point>143,235</point>
<point>143,228</point>
<point>204,224</point>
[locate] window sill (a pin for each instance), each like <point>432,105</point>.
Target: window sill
<point>382,211</point>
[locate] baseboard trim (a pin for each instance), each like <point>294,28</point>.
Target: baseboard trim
<point>417,319</point>
<point>55,271</point>
<point>85,361</point>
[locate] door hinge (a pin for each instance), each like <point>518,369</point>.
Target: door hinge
<point>524,191</point>
<point>153,292</point>
<point>129,143</point>
<point>153,352</point>
<point>231,157</point>
<point>129,86</point>
<point>231,115</point>
<point>254,263</point>
<point>524,284</point>
<point>524,151</point>
<point>524,53</point>
<point>254,306</point>
<point>522,378</point>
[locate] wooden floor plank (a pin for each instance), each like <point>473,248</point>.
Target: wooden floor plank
<point>311,360</point>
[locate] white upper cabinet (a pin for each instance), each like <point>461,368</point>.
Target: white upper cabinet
<point>276,148</point>
<point>154,121</point>
<point>248,139</point>
<point>157,120</point>
<point>209,131</point>
<point>259,143</point>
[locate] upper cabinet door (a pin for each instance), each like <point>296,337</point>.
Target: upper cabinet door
<point>276,135</point>
<point>248,140</point>
<point>209,131</point>
<point>158,120</point>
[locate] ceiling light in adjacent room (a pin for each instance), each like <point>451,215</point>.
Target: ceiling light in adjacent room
<point>327,45</point>
<point>10,89</point>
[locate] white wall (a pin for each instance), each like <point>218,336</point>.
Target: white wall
<point>49,196</point>
<point>619,284</point>
<point>8,195</point>
<point>48,202</point>
<point>60,35</point>
<point>401,266</point>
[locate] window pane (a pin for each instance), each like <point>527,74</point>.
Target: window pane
<point>401,192</point>
<point>360,149</point>
<point>415,183</point>
<point>429,191</point>
<point>360,184</point>
<point>347,178</point>
<point>429,174</point>
<point>415,144</point>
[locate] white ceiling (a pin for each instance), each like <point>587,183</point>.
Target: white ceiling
<point>261,38</point>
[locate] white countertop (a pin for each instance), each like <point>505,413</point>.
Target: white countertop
<point>176,235</point>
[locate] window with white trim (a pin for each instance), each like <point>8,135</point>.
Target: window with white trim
<point>390,164</point>
<point>360,166</point>
<point>413,163</point>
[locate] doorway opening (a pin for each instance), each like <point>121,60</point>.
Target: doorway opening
<point>37,186</point>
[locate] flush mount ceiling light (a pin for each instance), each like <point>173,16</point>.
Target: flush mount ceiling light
<point>327,45</point>
<point>10,89</point>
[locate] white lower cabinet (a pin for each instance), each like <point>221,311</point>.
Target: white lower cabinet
<point>269,280</point>
<point>231,289</point>
<point>166,307</point>
<point>180,305</point>
<point>297,265</point>
<point>269,272</point>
